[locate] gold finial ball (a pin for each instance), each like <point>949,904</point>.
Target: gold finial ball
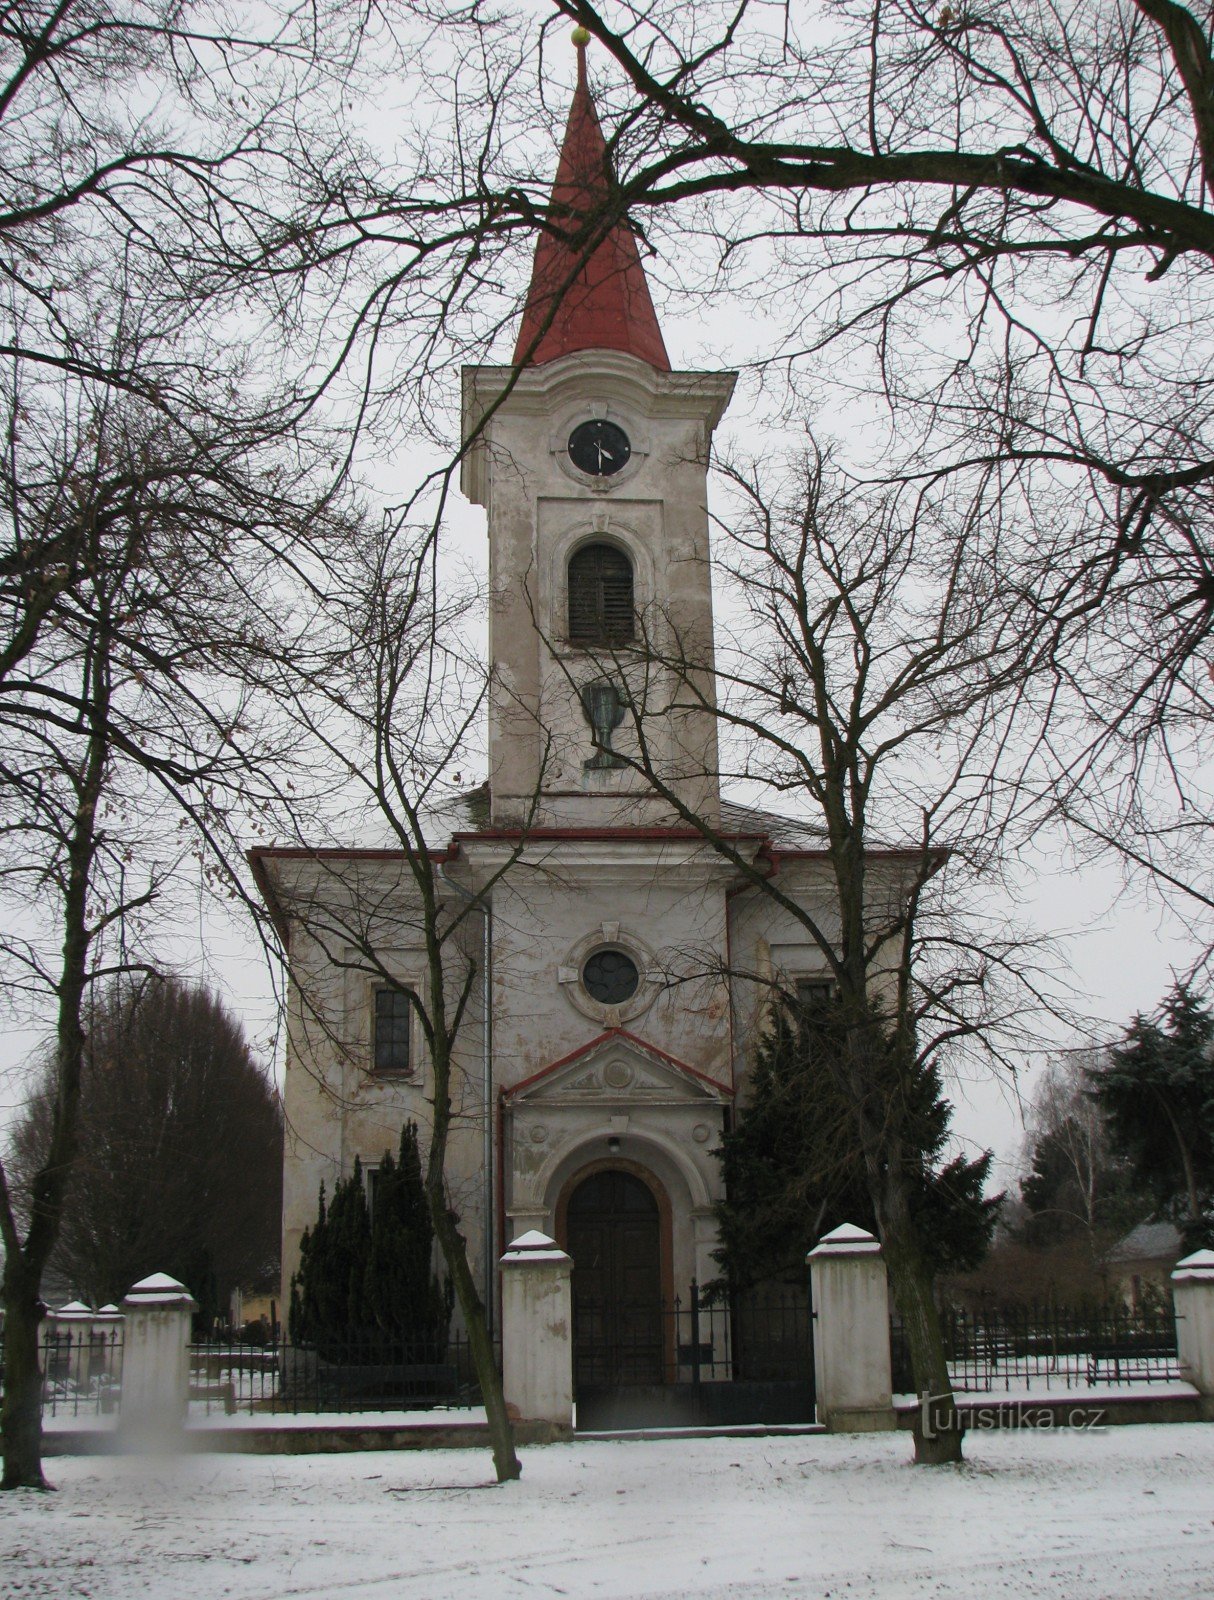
<point>581,37</point>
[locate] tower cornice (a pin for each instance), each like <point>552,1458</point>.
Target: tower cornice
<point>599,374</point>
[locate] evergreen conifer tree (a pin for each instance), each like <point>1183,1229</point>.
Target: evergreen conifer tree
<point>404,1296</point>
<point>1157,1090</point>
<point>792,1172</point>
<point>369,1272</point>
<point>301,1308</point>
<point>328,1292</point>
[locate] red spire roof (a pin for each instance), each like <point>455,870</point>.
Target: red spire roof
<point>607,304</point>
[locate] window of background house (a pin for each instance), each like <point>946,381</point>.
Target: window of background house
<point>390,1033</point>
<point>600,596</point>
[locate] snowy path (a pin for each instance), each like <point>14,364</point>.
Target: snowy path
<point>1121,1515</point>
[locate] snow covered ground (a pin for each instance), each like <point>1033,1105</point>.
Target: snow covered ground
<point>1119,1515</point>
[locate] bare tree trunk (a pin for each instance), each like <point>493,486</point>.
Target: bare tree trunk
<point>937,1430</point>
<point>877,1087</point>
<point>22,1416</point>
<point>501,1431</point>
<point>878,1072</point>
<point>1196,1213</point>
<point>451,1242</point>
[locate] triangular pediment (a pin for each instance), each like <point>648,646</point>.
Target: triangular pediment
<point>618,1066</point>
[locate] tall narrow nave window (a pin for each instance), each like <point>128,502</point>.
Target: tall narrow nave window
<point>390,1044</point>
<point>600,596</point>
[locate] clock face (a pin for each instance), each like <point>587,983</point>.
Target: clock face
<point>599,447</point>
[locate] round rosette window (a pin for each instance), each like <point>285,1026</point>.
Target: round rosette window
<point>610,977</point>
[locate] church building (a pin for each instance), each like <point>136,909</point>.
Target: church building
<point>621,959</point>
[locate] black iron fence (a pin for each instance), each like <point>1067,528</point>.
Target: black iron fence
<point>760,1337</point>
<point>82,1374</point>
<point>699,1360</point>
<point>81,1370</point>
<point>1038,1348</point>
<point>758,1346</point>
<point>355,1374</point>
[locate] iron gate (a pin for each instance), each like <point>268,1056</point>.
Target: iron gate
<point>699,1361</point>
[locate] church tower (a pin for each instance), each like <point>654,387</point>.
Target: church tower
<point>590,457</point>
<point>596,1067</point>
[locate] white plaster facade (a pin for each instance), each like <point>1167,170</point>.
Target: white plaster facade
<point>553,1085</point>
<point>560,1084</point>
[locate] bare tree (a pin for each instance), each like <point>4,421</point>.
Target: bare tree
<point>172,174</point>
<point>160,146</point>
<point>1001,215</point>
<point>134,750</point>
<point>868,682</point>
<point>993,220</point>
<point>1066,1131</point>
<point>180,1137</point>
<point>390,714</point>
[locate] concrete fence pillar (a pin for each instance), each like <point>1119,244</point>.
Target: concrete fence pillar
<point>537,1332</point>
<point>107,1355</point>
<point>67,1342</point>
<point>155,1355</point>
<point>107,1333</point>
<point>854,1392</point>
<point>1193,1298</point>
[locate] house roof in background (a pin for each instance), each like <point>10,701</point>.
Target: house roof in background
<point>1149,1241</point>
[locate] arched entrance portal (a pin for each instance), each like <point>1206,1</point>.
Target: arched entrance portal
<point>613,1228</point>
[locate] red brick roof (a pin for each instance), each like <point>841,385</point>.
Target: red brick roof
<point>604,304</point>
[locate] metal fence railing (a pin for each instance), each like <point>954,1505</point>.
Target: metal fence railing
<point>357,1373</point>
<point>759,1338</point>
<point>1048,1347</point>
<point>81,1370</point>
<point>82,1375</point>
<point>693,1339</point>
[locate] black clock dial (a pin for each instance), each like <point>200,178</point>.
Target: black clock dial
<point>599,447</point>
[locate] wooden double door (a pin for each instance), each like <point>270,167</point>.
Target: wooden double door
<point>614,1234</point>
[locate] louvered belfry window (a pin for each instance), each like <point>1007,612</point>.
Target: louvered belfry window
<point>600,596</point>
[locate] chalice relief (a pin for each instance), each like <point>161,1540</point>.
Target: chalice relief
<point>604,706</point>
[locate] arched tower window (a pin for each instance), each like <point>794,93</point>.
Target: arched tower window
<point>600,596</point>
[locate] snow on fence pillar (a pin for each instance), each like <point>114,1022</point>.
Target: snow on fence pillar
<point>851,1333</point>
<point>155,1355</point>
<point>1193,1297</point>
<point>107,1354</point>
<point>537,1331</point>
<point>66,1344</point>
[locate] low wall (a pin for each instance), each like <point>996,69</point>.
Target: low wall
<point>319,1438</point>
<point>1076,1409</point>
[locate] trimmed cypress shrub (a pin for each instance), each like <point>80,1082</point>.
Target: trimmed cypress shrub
<point>365,1277</point>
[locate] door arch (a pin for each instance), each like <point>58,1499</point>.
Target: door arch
<point>617,1230</point>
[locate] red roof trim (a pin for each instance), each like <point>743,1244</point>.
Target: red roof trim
<point>601,1039</point>
<point>336,852</point>
<point>603,303</point>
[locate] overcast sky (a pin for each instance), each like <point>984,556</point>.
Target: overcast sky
<point>1123,946</point>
